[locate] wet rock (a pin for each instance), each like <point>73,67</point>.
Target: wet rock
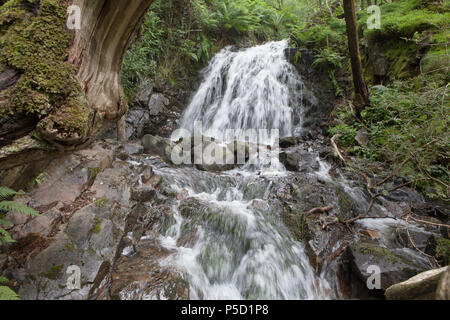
<point>318,93</point>
<point>147,174</point>
<point>114,184</point>
<point>41,225</point>
<point>395,265</point>
<point>299,161</point>
<point>129,149</point>
<point>66,178</point>
<point>46,277</point>
<point>140,276</point>
<point>143,96</point>
<point>189,207</point>
<point>288,142</point>
<point>160,146</point>
<point>420,287</point>
<point>136,120</point>
<point>218,156</point>
<point>143,193</point>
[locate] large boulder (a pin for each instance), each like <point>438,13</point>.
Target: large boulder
<point>420,287</point>
<point>395,265</point>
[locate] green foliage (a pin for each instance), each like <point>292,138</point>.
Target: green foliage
<point>179,37</point>
<point>347,133</point>
<point>10,206</point>
<point>140,62</point>
<point>323,31</point>
<point>406,17</point>
<point>443,250</point>
<point>6,293</point>
<point>328,58</point>
<point>408,120</point>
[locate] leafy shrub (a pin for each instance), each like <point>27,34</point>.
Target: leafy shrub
<point>409,120</point>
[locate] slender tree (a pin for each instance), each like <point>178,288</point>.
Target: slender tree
<point>361,93</point>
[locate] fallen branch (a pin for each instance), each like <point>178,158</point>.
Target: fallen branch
<point>320,210</point>
<point>338,252</point>
<point>336,149</point>
<point>429,222</point>
<point>431,259</point>
<point>362,216</point>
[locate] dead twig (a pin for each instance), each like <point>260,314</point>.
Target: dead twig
<point>363,215</point>
<point>320,210</point>
<point>336,149</point>
<point>431,259</point>
<point>429,222</point>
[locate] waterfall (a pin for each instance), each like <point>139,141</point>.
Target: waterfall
<point>242,249</point>
<point>254,88</point>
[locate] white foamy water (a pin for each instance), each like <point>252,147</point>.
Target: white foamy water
<point>242,252</point>
<point>256,88</point>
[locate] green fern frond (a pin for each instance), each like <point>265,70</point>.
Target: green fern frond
<point>6,193</point>
<point>7,294</point>
<point>11,206</point>
<point>4,222</point>
<point>5,237</point>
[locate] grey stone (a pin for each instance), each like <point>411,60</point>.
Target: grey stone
<point>420,287</point>
<point>160,146</point>
<point>157,104</point>
<point>143,96</point>
<point>143,193</point>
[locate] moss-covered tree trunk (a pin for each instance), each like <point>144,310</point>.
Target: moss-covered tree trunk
<point>361,92</point>
<point>60,86</point>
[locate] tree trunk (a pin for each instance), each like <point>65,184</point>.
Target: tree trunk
<point>107,27</point>
<point>86,64</point>
<point>361,99</point>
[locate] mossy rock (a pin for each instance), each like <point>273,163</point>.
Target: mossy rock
<point>394,267</point>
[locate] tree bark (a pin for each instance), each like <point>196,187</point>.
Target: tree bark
<point>96,51</point>
<point>107,27</point>
<point>122,129</point>
<point>361,99</point>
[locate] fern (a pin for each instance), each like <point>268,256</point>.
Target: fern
<point>6,193</point>
<point>5,237</point>
<point>11,206</point>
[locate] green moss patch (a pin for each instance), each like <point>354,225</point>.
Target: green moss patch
<point>37,46</point>
<point>54,272</point>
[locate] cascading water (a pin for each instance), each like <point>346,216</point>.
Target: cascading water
<point>242,250</point>
<point>256,88</point>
